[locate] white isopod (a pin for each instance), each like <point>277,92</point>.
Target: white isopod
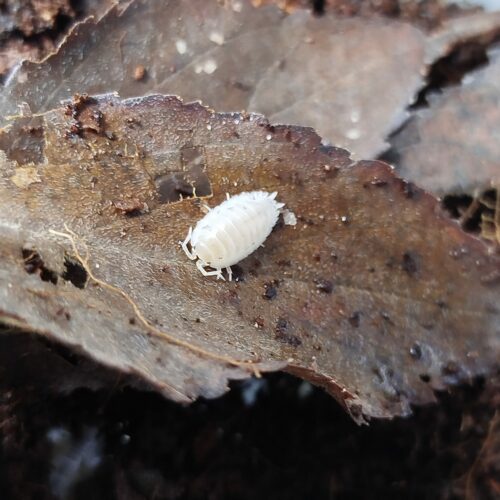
<point>231,231</point>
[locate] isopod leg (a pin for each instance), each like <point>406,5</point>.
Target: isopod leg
<point>184,243</point>
<point>229,273</point>
<point>217,272</point>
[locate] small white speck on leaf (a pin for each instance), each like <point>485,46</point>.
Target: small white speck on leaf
<point>208,67</point>
<point>237,5</point>
<point>353,134</point>
<point>289,218</point>
<point>22,77</point>
<point>216,37</point>
<point>181,46</point>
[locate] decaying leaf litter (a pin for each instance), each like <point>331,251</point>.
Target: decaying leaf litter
<point>386,389</point>
<point>453,146</point>
<point>333,73</point>
<point>412,309</point>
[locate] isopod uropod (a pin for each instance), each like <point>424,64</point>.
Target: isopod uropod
<point>231,231</point>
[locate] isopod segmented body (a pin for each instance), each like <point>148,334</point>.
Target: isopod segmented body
<point>231,231</point>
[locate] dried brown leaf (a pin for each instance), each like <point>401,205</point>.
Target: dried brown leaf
<point>334,74</point>
<point>337,75</point>
<point>350,79</point>
<point>482,28</point>
<point>377,296</point>
<point>454,145</point>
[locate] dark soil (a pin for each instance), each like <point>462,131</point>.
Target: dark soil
<point>274,438</point>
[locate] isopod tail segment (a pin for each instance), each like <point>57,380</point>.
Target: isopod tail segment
<point>273,196</point>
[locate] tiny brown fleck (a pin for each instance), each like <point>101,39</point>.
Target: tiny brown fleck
<point>259,323</point>
<point>354,319</point>
<point>410,263</point>
<point>131,207</point>
<point>283,335</point>
<point>139,72</point>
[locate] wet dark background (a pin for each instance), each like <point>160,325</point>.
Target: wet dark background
<point>276,437</point>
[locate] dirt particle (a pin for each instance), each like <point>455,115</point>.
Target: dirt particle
<point>139,73</point>
<point>450,368</point>
<point>75,130</point>
<point>330,170</point>
<point>98,118</point>
<point>238,273</point>
<point>410,263</point>
<point>270,290</point>
<point>283,335</point>
<point>132,122</point>
<point>458,252</point>
<point>376,182</point>
<point>416,351</point>
<point>323,285</point>
<point>63,312</point>
<point>354,319</point>
<point>131,207</point>
<point>33,131</point>
<point>385,315</point>
<point>259,323</point>
<point>284,263</point>
<point>33,264</point>
<point>410,190</point>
